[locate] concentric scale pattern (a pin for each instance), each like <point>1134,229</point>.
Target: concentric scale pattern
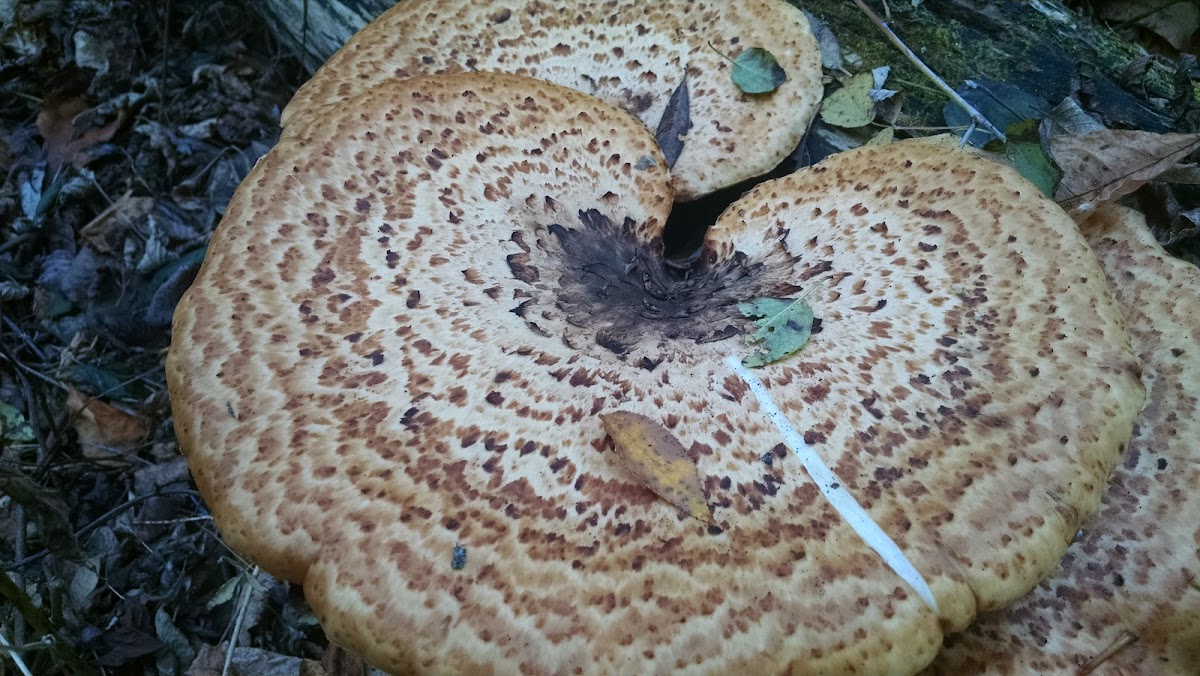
<point>631,53</point>
<point>1126,599</point>
<point>414,312</point>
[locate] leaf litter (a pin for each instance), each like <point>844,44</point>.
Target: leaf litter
<point>123,130</point>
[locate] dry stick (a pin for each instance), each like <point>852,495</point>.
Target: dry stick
<point>13,653</point>
<point>243,603</point>
<point>977,117</point>
<point>37,619</point>
<point>1123,641</point>
<point>18,621</point>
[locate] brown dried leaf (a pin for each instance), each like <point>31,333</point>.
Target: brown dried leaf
<point>210,661</point>
<point>103,428</point>
<point>1103,166</point>
<point>106,232</point>
<point>1177,22</point>
<point>658,460</point>
<point>65,126</point>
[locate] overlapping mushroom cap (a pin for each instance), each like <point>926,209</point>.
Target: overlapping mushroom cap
<point>1126,599</point>
<point>663,61</point>
<point>388,375</point>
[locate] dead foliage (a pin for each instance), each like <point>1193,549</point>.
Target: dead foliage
<point>124,128</point>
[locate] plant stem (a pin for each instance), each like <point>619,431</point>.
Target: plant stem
<point>40,623</point>
<point>976,116</point>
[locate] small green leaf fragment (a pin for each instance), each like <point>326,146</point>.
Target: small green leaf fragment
<point>883,138</point>
<point>13,427</point>
<point>1024,152</point>
<point>784,327</point>
<point>755,71</point>
<point>852,105</point>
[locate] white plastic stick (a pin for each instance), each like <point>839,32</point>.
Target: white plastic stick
<point>16,656</point>
<point>835,491</point>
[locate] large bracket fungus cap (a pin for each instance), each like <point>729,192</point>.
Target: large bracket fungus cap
<point>1126,599</point>
<point>389,373</point>
<point>652,59</point>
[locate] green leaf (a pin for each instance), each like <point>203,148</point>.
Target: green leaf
<point>883,138</point>
<point>1023,151</point>
<point>784,326</point>
<point>755,71</point>
<point>13,426</point>
<point>852,105</point>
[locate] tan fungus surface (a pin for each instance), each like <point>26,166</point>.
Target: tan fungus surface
<point>412,316</point>
<point>1126,599</point>
<point>631,53</point>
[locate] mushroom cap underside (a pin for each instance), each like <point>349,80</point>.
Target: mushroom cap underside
<point>1126,598</point>
<point>633,54</point>
<point>413,314</point>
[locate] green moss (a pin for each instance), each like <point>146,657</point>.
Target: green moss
<point>1034,52</point>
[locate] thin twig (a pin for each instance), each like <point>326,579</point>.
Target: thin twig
<point>40,623</point>
<point>99,521</point>
<point>43,644</point>
<point>1124,640</point>
<point>18,622</point>
<point>976,116</point>
<point>16,328</point>
<point>14,653</point>
<point>243,604</point>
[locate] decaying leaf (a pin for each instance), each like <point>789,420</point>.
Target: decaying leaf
<point>675,123</point>
<point>784,327</point>
<point>14,429</point>
<point>45,508</point>
<point>106,232</point>
<point>1176,21</point>
<point>210,661</point>
<point>103,429</point>
<point>755,71</point>
<point>176,652</point>
<point>64,124</point>
<point>658,460</point>
<point>1103,166</point>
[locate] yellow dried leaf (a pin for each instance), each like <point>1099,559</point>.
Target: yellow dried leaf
<point>658,460</point>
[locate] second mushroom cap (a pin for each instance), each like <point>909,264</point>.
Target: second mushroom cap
<point>665,62</point>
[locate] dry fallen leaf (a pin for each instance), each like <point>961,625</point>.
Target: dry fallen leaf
<point>658,460</point>
<point>63,123</point>
<point>106,232</point>
<point>210,661</point>
<point>1103,166</point>
<point>103,428</point>
<point>1177,22</point>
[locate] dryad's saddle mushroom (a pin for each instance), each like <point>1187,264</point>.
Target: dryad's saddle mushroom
<point>1126,599</point>
<point>666,62</point>
<point>389,373</point>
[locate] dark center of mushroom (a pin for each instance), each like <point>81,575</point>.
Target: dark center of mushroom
<point>618,292</point>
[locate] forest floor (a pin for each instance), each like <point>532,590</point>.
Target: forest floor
<point>124,130</point>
